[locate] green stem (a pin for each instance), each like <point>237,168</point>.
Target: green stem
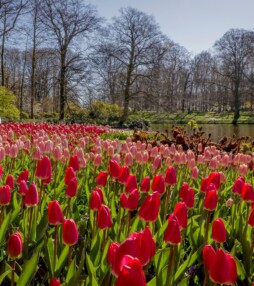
<point>166,202</point>
<point>13,273</point>
<point>70,255</point>
<point>68,207</point>
<point>207,226</point>
<point>55,247</point>
<point>170,264</point>
<point>128,223</point>
<point>2,215</point>
<point>29,223</point>
<point>55,180</point>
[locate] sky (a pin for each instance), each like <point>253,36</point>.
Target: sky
<point>194,24</point>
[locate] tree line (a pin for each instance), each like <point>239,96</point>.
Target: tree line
<point>56,54</point>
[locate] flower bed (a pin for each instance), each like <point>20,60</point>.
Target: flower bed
<point>80,210</point>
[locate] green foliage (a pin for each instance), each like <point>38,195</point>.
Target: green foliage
<point>104,113</point>
<point>7,104</point>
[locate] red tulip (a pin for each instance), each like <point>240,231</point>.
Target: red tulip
<point>114,169</point>
<point>69,175</point>
<point>131,183</point>
<point>74,163</point>
<point>104,217</point>
<point>211,199</point>
<point>223,269</point>
<point>145,185</point>
<point>188,196</point>
<point>183,190</point>
<point>112,250</point>
<point>219,233</point>
<point>23,188</point>
<point>208,254</point>
<point>96,199</point>
<point>54,282</point>
<point>131,273</point>
<point>5,195</point>
<point>23,176</point>
<point>238,185</point>
<point>101,179</point>
<point>130,202</point>
<point>213,178</point>
<point>248,192</point>
<point>139,244</point>
<point>44,168</point>
<point>251,218</point>
<point>181,213</point>
<point>70,232</point>
<point>10,181</point>
<point>158,184</point>
<point>55,214</point>
<point>170,177</point>
<point>31,198</point>
<point>15,245</point>
<point>123,174</point>
<point>72,187</point>
<point>172,234</point>
<point>149,209</point>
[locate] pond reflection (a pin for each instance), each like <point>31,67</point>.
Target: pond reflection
<point>217,130</point>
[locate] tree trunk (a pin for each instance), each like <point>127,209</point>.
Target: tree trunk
<point>62,96</point>
<point>2,54</point>
<point>236,104</point>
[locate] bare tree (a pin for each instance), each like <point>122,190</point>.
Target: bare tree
<point>66,21</point>
<point>136,43</point>
<point>10,11</point>
<point>234,50</point>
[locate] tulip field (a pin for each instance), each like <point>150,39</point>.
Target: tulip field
<point>79,206</point>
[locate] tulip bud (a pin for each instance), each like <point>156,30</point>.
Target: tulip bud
<point>23,188</point>
<point>211,199</point>
<point>123,174</point>
<point>104,217</point>
<point>170,177</point>
<point>54,282</point>
<point>70,232</point>
<point>5,195</point>
<point>44,168</point>
<point>145,185</point>
<point>114,169</point>
<point>31,198</point>
<point>102,179</point>
<point>10,181</point>
<point>72,187</point>
<point>131,183</point>
<point>158,184</point>
<point>131,272</point>
<point>149,209</point>
<point>172,234</point>
<point>23,176</point>
<point>69,175</point>
<point>74,163</point>
<point>55,214</point>
<point>181,213</point>
<point>15,245</point>
<point>96,199</point>
<point>219,233</point>
<point>130,202</point>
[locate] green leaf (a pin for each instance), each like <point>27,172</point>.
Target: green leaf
<point>71,273</point>
<point>184,282</point>
<point>49,253</point>
<point>62,259</point>
<point>42,226</point>
<point>191,259</point>
<point>4,226</point>
<point>240,269</point>
<point>91,271</point>
<point>4,275</point>
<point>29,270</point>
